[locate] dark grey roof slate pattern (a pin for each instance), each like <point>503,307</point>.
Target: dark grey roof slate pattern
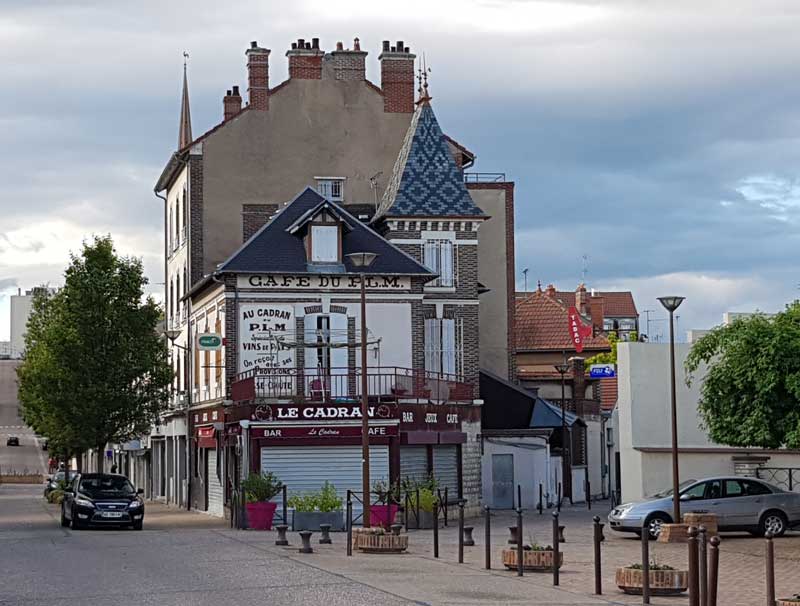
<point>273,250</point>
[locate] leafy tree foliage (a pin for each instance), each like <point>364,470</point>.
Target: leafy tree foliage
<point>751,387</point>
<point>95,370</point>
<point>606,357</point>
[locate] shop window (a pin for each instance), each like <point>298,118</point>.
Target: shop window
<point>443,345</point>
<point>324,243</point>
<point>438,256</point>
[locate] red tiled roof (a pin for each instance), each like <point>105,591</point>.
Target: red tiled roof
<point>608,393</point>
<point>542,324</point>
<point>617,304</point>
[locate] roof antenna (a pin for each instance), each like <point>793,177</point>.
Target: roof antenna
<point>525,278</point>
<point>585,269</point>
<point>185,58</point>
<point>373,185</point>
<point>424,96</point>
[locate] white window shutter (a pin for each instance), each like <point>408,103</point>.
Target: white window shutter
<point>448,346</point>
<point>446,248</point>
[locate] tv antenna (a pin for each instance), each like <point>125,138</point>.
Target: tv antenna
<point>525,278</point>
<point>585,269</point>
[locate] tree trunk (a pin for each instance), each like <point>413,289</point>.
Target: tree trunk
<point>79,459</point>
<point>101,453</point>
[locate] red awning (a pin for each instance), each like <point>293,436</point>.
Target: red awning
<point>206,437</point>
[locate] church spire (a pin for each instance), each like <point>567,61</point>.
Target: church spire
<point>185,128</point>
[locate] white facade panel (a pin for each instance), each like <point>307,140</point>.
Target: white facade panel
<point>215,497</point>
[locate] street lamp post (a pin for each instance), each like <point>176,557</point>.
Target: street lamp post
<point>172,335</point>
<point>671,304</point>
<point>363,260</point>
<point>566,473</point>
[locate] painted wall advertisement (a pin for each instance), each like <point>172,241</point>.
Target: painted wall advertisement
<point>266,339</point>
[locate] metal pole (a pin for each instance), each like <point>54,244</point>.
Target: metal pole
<point>565,462</point>
<point>436,529</point>
<point>694,590</point>
<point>676,501</point>
<point>703,565</point>
<point>556,549</point>
<point>519,496</point>
<point>645,566</point>
<point>520,560</point>
<point>541,503</point>
<point>713,571</point>
<point>461,531</point>
<point>770,565</point>
<point>364,406</point>
<point>488,540</point>
<point>349,524</point>
<point>598,580</point>
<point>285,505</point>
<point>558,497</point>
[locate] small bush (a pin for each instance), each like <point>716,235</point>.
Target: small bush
<point>55,496</point>
<point>326,500</point>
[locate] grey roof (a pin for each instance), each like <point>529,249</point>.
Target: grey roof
<point>425,180</point>
<point>547,414</point>
<point>273,249</point>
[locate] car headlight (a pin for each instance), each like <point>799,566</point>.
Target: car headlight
<point>83,502</point>
<point>623,510</point>
<point>135,505</point>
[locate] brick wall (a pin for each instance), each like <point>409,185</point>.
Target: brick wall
<point>397,81</point>
<point>471,466</point>
<point>254,217</point>
<point>305,65</point>
<point>349,65</point>
<point>195,218</point>
<point>258,77</point>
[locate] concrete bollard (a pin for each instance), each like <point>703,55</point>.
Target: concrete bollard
<point>305,537</point>
<point>468,540</point>
<point>512,539</point>
<point>282,540</point>
<point>325,539</point>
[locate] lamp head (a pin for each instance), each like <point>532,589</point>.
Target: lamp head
<point>562,368</point>
<point>172,334</point>
<point>361,259</point>
<point>671,303</point>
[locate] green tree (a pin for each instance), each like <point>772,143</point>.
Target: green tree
<point>750,394</point>
<point>95,370</point>
<point>607,357</point>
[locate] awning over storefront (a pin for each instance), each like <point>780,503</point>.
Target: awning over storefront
<point>206,437</point>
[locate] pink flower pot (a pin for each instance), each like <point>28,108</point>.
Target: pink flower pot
<point>260,515</point>
<point>382,515</point>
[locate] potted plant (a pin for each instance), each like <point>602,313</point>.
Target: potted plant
<point>313,509</point>
<point>792,601</point>
<point>383,513</point>
<point>535,557</point>
<point>664,579</point>
<point>422,497</point>
<point>258,491</point>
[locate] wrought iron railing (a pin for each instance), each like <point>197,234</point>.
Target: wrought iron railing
<point>787,478</point>
<point>484,177</point>
<point>341,384</point>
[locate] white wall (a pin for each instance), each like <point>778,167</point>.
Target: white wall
<point>21,306</point>
<point>532,466</point>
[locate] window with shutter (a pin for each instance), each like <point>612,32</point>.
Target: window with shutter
<point>438,256</point>
<point>325,243</point>
<point>443,345</point>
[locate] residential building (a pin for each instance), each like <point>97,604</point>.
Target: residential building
<point>21,307</point>
<point>329,128</point>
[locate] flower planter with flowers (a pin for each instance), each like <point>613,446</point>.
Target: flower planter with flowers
<point>378,540</point>
<point>314,509</point>
<point>258,491</point>
<point>535,558</point>
<point>792,601</point>
<point>664,580</point>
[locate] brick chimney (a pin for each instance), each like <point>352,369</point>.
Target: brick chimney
<point>397,78</point>
<point>258,76</point>
<point>231,103</point>
<point>305,60</point>
<point>550,291</point>
<point>578,384</point>
<point>349,64</point>
<point>580,299</point>
<point>597,311</point>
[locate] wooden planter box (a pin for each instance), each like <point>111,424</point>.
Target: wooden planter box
<point>662,582</point>
<point>536,561</point>
<point>708,520</point>
<point>673,533</point>
<point>367,540</point>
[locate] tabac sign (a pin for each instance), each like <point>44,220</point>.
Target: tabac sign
<point>321,282</point>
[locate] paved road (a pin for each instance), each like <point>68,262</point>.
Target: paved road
<point>28,457</point>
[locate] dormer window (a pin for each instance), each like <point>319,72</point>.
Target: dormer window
<point>324,243</point>
<point>332,188</point>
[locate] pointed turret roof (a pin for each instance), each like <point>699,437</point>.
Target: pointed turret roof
<point>185,128</point>
<point>425,181</point>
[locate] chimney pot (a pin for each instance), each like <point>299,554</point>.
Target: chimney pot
<point>356,44</point>
<point>339,46</point>
<point>235,91</point>
<point>400,46</point>
<point>228,93</point>
<point>308,45</point>
<point>393,49</point>
<point>294,45</point>
<point>301,43</point>
<point>314,42</point>
<point>386,46</point>
<point>407,50</point>
<point>254,44</point>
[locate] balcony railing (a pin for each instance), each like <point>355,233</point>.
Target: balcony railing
<point>484,177</point>
<point>343,384</point>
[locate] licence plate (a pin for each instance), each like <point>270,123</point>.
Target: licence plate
<point>112,514</point>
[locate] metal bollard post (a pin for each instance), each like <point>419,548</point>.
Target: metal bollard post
<point>396,528</point>
<point>488,547</point>
<point>436,529</point>
<point>405,513</point>
<point>702,572</point>
<point>468,540</point>
<point>519,496</point>
<point>541,503</point>
<point>305,537</point>
<point>713,571</point>
<point>446,508</point>
<point>598,533</point>
<point>645,566</point>
<point>285,505</point>
<point>588,495</point>
<point>325,539</point>
<point>461,531</point>
<point>520,558</point>
<point>558,498</point>
<point>282,540</point>
<point>770,569</point>
<point>556,549</point>
<point>349,523</point>
<point>694,589</point>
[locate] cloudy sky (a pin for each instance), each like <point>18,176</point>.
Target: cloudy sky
<point>660,139</point>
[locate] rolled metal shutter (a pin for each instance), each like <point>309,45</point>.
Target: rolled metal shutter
<point>445,469</point>
<point>413,463</point>
<point>214,485</point>
<point>306,468</point>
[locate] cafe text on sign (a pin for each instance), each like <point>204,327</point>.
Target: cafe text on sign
<point>321,282</point>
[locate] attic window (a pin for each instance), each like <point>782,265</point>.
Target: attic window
<point>324,243</point>
<point>331,188</point>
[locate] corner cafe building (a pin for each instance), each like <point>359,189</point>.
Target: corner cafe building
<point>289,309</point>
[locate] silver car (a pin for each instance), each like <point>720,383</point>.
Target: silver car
<point>740,504</point>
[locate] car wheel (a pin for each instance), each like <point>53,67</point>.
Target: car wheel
<point>64,520</point>
<point>137,525</point>
<point>653,524</point>
<point>773,522</point>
